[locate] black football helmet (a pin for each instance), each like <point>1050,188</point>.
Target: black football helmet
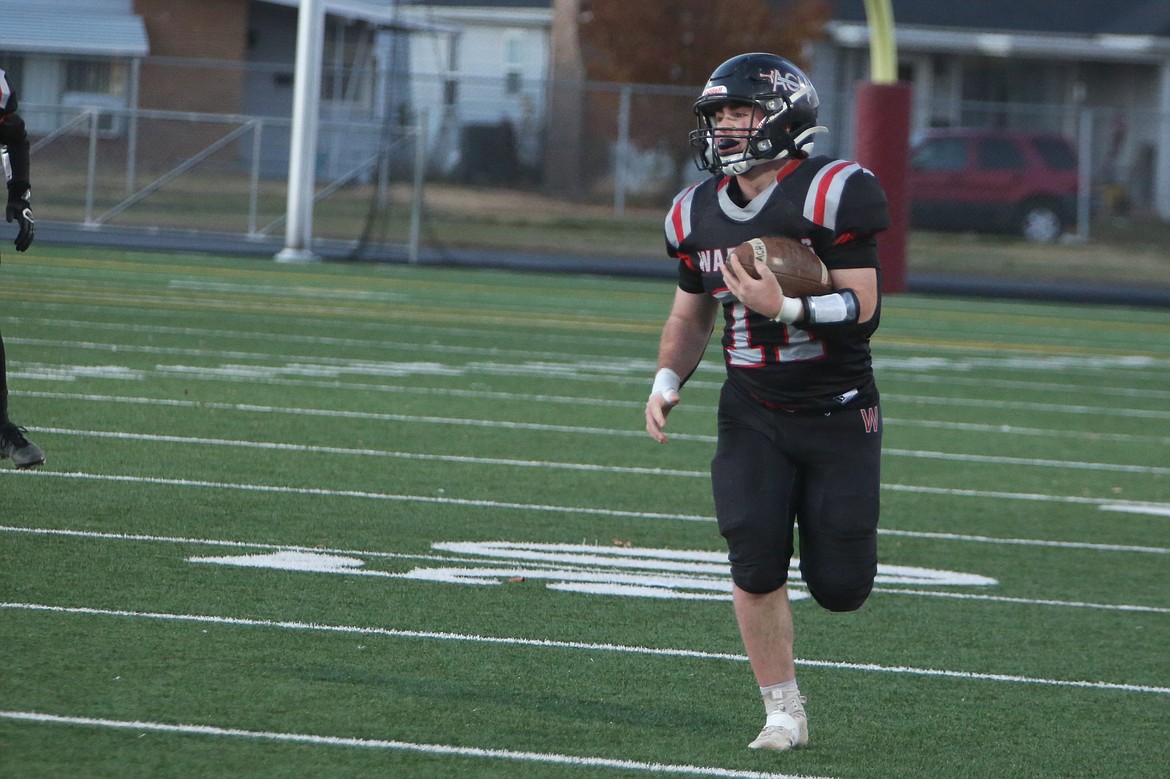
<point>786,120</point>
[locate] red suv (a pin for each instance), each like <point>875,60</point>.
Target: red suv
<point>994,180</point>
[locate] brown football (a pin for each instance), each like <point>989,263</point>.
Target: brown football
<point>795,266</point>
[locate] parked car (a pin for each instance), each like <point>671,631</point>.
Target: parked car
<point>994,181</point>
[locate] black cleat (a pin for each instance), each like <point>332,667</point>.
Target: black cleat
<point>24,453</point>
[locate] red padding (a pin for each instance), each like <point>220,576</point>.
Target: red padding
<point>883,146</point>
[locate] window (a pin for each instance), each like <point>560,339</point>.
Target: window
<point>941,154</point>
<point>451,73</point>
<point>1056,153</point>
<point>513,61</point>
<point>98,85</point>
<point>93,77</point>
<point>346,74</point>
<point>1000,154</point>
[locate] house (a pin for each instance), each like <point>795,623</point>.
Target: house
<point>1097,72</point>
<point>65,54</point>
<point>489,76</point>
<point>223,57</point>
<point>363,103</point>
<point>479,73</point>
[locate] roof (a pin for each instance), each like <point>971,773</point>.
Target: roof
<point>545,4</point>
<point>379,14</point>
<point>1070,17</point>
<point>1132,31</point>
<point>61,27</point>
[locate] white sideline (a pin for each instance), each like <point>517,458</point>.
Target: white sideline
<point>400,746</point>
<point>690,473</point>
<point>593,647</point>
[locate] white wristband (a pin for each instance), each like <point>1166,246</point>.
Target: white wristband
<point>791,310</point>
<point>665,381</point>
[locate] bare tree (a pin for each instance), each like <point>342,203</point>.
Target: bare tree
<point>679,44</point>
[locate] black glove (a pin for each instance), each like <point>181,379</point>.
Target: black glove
<point>20,210</point>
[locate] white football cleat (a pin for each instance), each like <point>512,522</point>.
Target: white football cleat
<point>786,728</point>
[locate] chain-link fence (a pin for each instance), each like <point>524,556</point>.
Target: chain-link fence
<point>510,163</point>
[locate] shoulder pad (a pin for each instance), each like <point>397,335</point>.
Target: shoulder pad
<point>845,197</point>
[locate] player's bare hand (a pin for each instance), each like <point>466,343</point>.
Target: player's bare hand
<point>657,407</point>
<point>762,295</point>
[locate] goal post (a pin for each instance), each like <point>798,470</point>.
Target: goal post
<point>302,160</point>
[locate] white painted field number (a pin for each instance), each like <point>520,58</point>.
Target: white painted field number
<point>595,570</point>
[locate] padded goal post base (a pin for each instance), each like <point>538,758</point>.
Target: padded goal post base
<point>883,146</point>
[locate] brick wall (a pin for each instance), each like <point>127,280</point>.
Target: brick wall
<point>198,29</point>
<point>212,31</point>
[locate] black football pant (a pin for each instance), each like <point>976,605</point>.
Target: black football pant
<point>774,470</point>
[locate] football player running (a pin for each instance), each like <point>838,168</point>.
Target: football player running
<point>14,139</point>
<point>799,420</point>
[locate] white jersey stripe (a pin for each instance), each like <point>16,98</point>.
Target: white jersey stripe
<point>5,92</point>
<point>678,218</point>
<point>824,193</point>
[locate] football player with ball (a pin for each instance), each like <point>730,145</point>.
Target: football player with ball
<point>799,421</point>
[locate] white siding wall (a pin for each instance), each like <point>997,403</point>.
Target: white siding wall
<point>480,68</point>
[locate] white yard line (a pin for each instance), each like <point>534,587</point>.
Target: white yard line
<point>371,345</point>
<point>1111,504</point>
<point>545,758</point>
<point>583,430</point>
<point>1024,601</point>
<point>595,368</point>
<point>600,366</point>
<point>382,335</point>
<point>69,373</point>
<point>239,374</point>
<point>1026,541</point>
<point>580,645</point>
<point>960,359</point>
<point>308,448</point>
<point>366,415</point>
<point>361,494</point>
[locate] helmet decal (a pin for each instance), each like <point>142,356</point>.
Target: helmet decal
<point>783,127</point>
<point>790,81</point>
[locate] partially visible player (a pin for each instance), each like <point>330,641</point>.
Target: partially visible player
<point>14,139</point>
<point>799,426</point>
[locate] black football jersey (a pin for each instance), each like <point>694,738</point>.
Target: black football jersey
<point>12,133</point>
<point>7,97</point>
<point>835,207</point>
